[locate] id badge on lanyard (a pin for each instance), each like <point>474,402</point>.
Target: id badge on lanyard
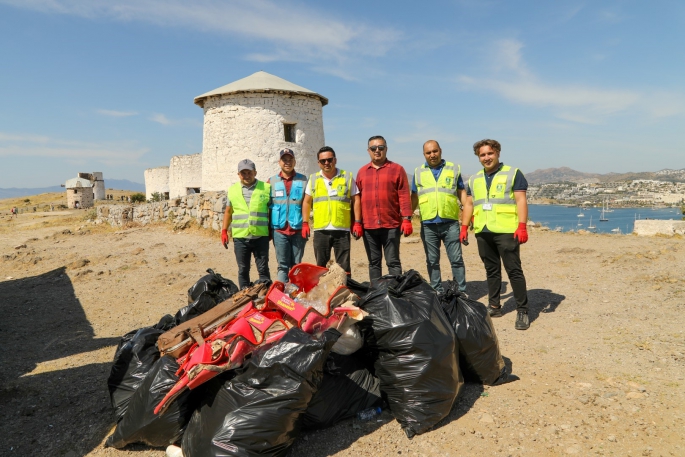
<point>487,206</point>
<point>332,191</point>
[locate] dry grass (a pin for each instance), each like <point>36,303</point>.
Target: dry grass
<point>40,201</point>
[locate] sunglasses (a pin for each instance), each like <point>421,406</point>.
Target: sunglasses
<point>380,148</point>
<point>325,161</point>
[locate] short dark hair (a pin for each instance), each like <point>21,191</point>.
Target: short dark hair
<point>494,144</point>
<point>325,149</point>
<point>376,137</point>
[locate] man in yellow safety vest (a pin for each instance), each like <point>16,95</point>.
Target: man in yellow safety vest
<point>332,194</point>
<point>497,200</point>
<point>247,212</point>
<point>437,190</point>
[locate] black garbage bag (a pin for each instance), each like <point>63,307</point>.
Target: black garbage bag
<point>417,360</point>
<point>205,294</point>
<point>359,288</point>
<point>479,355</point>
<point>202,304</point>
<point>215,284</point>
<point>141,425</point>
<point>257,412</point>
<point>135,355</point>
<point>348,387</point>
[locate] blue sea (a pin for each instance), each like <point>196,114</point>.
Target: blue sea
<point>566,217</point>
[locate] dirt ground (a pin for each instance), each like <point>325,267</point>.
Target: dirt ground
<point>602,366</point>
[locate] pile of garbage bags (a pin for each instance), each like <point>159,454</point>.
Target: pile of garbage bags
<point>244,373</point>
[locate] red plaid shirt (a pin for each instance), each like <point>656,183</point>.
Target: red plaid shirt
<point>384,195</point>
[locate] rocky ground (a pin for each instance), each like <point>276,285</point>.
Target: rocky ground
<point>602,366</point>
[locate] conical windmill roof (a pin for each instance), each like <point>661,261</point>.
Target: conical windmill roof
<point>260,82</point>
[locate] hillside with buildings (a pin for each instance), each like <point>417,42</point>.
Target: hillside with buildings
<point>565,174</point>
<point>628,193</point>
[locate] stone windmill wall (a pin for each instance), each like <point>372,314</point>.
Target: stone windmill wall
<point>156,180</point>
<point>253,126</point>
<point>185,173</point>
<point>252,118</point>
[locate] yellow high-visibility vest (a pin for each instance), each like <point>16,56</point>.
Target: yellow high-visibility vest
<point>438,198</point>
<point>331,204</point>
<point>255,219</point>
<point>502,217</point>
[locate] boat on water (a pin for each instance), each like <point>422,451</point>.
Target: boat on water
<point>602,217</point>
<point>591,227</point>
<point>557,229</point>
<point>616,230</point>
<point>607,210</point>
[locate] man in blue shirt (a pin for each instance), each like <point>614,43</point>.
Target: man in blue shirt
<point>438,190</point>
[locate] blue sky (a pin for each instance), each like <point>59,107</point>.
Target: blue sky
<point>106,85</point>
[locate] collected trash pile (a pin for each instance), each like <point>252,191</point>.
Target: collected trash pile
<point>244,372</point>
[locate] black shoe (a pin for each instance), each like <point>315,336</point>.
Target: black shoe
<point>522,322</point>
<point>495,311</point>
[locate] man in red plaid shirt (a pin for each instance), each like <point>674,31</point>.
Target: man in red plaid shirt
<point>386,209</point>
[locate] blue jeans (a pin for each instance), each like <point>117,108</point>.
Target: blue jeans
<point>289,250</point>
<point>448,233</point>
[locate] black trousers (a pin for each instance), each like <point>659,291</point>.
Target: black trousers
<point>496,249</point>
<point>245,248</point>
<point>339,241</point>
<point>379,241</point>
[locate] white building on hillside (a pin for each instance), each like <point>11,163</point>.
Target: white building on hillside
<point>252,118</point>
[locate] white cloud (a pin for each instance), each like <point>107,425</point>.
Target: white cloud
<point>294,31</point>
<point>612,16</point>
<point>511,79</point>
<point>163,120</point>
<point>13,145</point>
<point>113,113</point>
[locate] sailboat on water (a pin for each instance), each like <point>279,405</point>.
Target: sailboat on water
<point>591,227</point>
<point>602,217</point>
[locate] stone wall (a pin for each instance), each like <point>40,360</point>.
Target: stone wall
<point>156,180</point>
<point>184,171</point>
<point>206,209</point>
<point>82,195</point>
<point>251,126</point>
<point>653,227</point>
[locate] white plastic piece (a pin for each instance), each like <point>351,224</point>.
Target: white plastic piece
<point>351,339</point>
<point>174,451</point>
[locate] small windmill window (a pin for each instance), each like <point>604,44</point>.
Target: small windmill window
<point>289,132</point>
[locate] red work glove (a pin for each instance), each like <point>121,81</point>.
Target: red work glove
<point>406,228</point>
<point>224,237</point>
<point>521,234</point>
<point>305,230</point>
<point>464,234</point>
<point>357,230</point>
